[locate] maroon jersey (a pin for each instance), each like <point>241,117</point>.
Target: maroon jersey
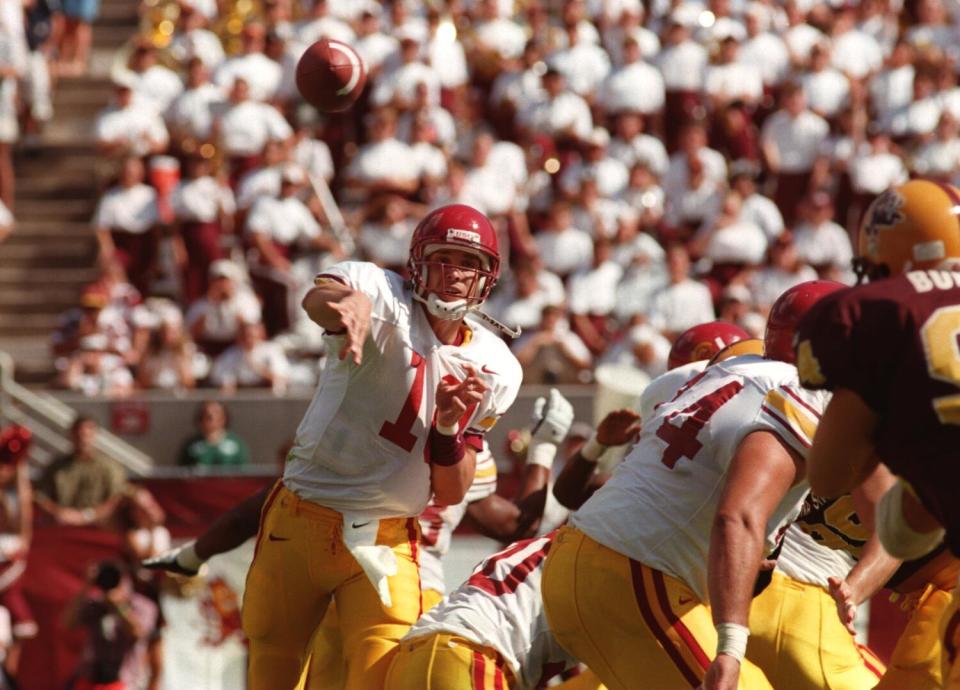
<point>896,343</point>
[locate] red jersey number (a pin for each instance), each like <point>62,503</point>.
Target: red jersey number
<point>682,440</point>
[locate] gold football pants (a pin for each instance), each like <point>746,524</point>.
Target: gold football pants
<point>299,564</point>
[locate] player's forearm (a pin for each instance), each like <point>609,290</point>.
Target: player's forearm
<point>573,486</point>
<point>233,528</point>
<point>451,482</point>
<point>317,303</point>
<point>736,548</point>
<point>872,571</point>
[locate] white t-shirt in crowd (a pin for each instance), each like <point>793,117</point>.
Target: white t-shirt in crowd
<point>769,53</point>
<point>201,200</point>
<point>139,126</point>
<point>287,221</point>
<point>827,91</point>
<point>762,212</point>
<point>594,290</point>
<point>733,81</point>
<point>682,66</point>
<point>823,245</point>
<point>240,367</point>
<point>262,74</point>
<point>192,112</point>
<point>246,127</point>
<point>637,87</point>
<point>643,148</point>
<point>222,320</point>
<point>856,53</point>
<point>585,66</point>
<point>199,43</point>
<point>873,173</point>
<point>553,116</point>
<point>132,210</point>
<point>796,140</point>
<point>680,306</point>
<point>383,160</point>
<point>565,251</point>
<point>741,242</point>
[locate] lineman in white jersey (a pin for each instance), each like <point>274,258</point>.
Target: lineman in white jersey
<point>399,415</point>
<point>642,541</point>
<point>489,634</point>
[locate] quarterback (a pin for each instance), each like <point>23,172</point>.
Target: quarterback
<point>397,417</point>
<point>625,587</point>
<point>888,350</point>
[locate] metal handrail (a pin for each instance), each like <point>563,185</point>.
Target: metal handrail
<point>58,418</point>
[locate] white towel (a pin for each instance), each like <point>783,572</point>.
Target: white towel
<point>378,562</point>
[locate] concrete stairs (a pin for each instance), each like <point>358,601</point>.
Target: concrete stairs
<point>51,254</point>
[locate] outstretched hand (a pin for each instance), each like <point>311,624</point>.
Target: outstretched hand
<point>455,397</point>
<point>619,427</point>
<point>354,310</point>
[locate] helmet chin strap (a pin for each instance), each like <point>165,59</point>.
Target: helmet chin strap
<point>449,311</point>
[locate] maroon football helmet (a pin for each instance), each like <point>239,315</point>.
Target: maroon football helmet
<point>785,315</point>
<point>461,227</point>
<point>703,341</point>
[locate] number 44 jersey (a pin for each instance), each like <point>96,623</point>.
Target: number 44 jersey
<point>896,344</point>
<point>658,506</point>
<point>362,444</point>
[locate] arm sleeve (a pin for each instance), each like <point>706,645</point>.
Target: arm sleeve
<point>792,413</point>
<point>383,288</point>
<point>485,478</point>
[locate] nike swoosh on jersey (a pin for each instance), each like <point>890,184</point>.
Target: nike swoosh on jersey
<point>274,537</point>
<point>486,370</point>
<point>362,524</point>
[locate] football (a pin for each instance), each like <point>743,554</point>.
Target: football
<point>331,75</point>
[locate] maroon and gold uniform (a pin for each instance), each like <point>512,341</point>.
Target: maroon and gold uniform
<point>896,343</point>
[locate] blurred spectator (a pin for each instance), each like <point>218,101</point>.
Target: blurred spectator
<point>642,348</point>
<point>119,624</point>
<point>876,167</point>
<point>246,126</point>
<point>520,299</point>
<point>168,360</point>
<point>373,45</point>
<point>728,241</point>
<point>82,487</point>
<point>73,51</point>
<point>384,163</point>
<point>125,222</point>
<point>142,521</point>
<point>261,74</point>
<point>635,86</point>
<point>16,531</point>
<point>153,84</point>
<point>556,111</point>
<point>563,248</point>
<point>385,238</point>
<point>552,353</point>
<point>939,158</point>
<point>855,53</point>
<point>193,40</point>
<point>819,241</point>
<point>632,145</point>
<point>684,302</point>
<point>791,140</point>
<point>755,208</point>
<point>593,296</point>
<point>203,208</point>
<point>190,115</point>
<point>729,79</point>
<point>826,88</point>
<point>764,48</point>
<point>682,63</point>
<point>213,444</point>
<point>214,320</point>
<point>891,90</point>
<point>96,369</point>
<point>695,180</point>
<point>785,269</point>
<point>584,64</point>
<point>283,233</point>
<point>397,86</point>
<point>610,173</point>
<point>128,127</point>
<point>253,362</point>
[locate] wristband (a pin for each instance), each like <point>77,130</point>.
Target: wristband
<point>592,449</point>
<point>187,557</point>
<point>448,430</point>
<point>446,450</point>
<point>732,639</point>
<point>541,453</point>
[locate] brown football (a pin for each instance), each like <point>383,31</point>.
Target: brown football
<point>331,75</point>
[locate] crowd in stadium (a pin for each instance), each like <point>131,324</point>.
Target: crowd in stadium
<point>648,167</point>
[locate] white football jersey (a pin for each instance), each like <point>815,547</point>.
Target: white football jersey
<point>500,607</point>
<point>825,541</point>
<point>437,522</point>
<point>361,445</point>
<point>663,388</point>
<point>658,506</point>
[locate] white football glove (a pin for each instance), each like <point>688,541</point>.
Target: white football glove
<point>552,418</point>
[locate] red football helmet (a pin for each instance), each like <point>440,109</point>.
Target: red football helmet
<point>703,342</point>
<point>461,227</point>
<point>786,313</point>
<point>14,444</point>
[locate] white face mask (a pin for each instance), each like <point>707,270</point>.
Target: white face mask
<point>450,311</point>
